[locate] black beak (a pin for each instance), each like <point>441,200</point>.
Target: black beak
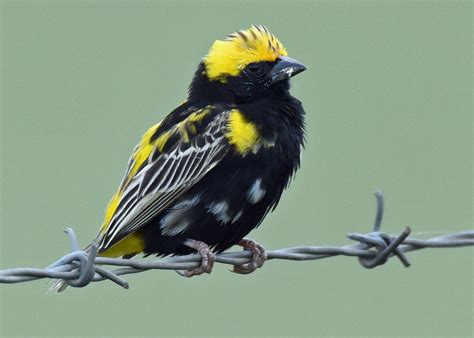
<point>286,68</point>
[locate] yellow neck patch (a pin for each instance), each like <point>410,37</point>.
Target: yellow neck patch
<point>229,57</point>
<point>242,134</point>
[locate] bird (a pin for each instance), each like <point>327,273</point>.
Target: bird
<point>206,175</point>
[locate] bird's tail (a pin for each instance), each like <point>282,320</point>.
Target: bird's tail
<point>59,285</point>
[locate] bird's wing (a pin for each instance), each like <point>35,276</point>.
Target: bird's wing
<point>162,168</point>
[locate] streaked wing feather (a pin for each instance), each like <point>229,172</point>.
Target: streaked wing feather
<point>164,195</point>
<point>165,178</point>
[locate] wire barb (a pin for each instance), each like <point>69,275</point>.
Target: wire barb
<point>80,268</point>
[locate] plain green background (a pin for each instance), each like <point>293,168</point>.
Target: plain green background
<point>388,98</point>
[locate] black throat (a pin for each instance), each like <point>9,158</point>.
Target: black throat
<point>274,111</point>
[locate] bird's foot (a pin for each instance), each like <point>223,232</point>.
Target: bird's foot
<point>259,256</point>
<point>207,261</point>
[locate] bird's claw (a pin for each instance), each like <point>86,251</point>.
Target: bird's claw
<point>259,256</point>
<point>207,261</point>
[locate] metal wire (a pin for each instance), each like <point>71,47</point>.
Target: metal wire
<point>79,268</point>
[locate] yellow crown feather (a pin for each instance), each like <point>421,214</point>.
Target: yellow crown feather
<point>231,56</point>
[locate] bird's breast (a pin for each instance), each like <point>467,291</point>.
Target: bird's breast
<point>226,204</point>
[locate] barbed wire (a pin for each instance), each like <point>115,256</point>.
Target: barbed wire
<point>79,268</point>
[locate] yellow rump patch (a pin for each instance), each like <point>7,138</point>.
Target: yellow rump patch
<point>241,133</point>
<point>131,244</point>
<point>231,56</point>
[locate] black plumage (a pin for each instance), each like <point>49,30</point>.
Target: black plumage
<point>208,174</point>
<point>212,176</point>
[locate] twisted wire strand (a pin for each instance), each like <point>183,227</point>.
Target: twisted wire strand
<point>79,268</point>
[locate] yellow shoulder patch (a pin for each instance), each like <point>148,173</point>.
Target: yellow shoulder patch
<point>241,133</point>
<point>189,124</point>
<point>231,56</point>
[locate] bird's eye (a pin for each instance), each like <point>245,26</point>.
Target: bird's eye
<point>254,67</point>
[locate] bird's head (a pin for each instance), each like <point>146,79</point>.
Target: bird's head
<point>247,65</point>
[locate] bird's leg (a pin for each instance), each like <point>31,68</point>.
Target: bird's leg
<point>259,256</point>
<point>207,261</point>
